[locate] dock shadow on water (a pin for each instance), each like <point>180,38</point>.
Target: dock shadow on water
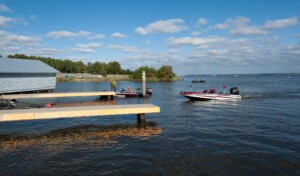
<point>76,135</point>
<point>7,105</point>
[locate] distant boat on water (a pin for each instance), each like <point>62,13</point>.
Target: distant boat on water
<point>198,81</point>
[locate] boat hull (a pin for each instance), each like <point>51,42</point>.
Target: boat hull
<point>134,93</point>
<point>196,96</point>
<point>127,94</point>
<point>198,81</point>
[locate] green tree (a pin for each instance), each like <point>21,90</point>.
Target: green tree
<point>89,67</point>
<point>68,66</point>
<point>126,72</point>
<point>150,73</point>
<point>20,56</point>
<point>81,68</point>
<point>98,68</point>
<point>165,73</point>
<point>114,68</point>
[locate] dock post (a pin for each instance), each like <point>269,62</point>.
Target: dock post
<point>144,83</point>
<point>141,120</point>
<point>141,117</point>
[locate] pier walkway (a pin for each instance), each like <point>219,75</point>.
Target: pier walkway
<point>81,111</point>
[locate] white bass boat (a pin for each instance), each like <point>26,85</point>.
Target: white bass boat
<point>212,95</point>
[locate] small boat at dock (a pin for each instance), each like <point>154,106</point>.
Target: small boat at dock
<point>134,93</point>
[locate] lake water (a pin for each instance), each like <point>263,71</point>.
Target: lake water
<point>259,135</point>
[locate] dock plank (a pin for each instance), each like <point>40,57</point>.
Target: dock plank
<point>82,111</point>
<point>53,95</point>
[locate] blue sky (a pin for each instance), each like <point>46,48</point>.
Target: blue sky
<point>193,36</point>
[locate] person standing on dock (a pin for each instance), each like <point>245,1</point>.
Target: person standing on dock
<point>113,86</point>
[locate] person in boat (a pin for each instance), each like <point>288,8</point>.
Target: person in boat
<point>113,85</point>
<point>123,90</point>
<point>129,89</point>
<point>212,90</point>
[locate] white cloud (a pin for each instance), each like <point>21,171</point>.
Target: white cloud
<point>5,20</point>
<point>83,50</point>
<point>201,21</point>
<point>97,36</point>
<point>43,51</point>
<point>282,23</point>
<point>12,43</point>
<point>118,35</point>
<point>238,21</point>
<point>147,42</point>
<point>247,30</point>
<point>127,49</point>
<point>68,34</point>
<point>9,39</point>
<point>167,26</point>
<point>241,56</point>
<point>61,34</point>
<point>151,58</point>
<point>4,8</point>
<point>175,42</point>
<point>86,48</point>
<point>240,26</point>
<point>222,26</point>
<point>233,23</point>
<point>90,45</point>
<point>195,33</point>
<point>33,17</point>
<point>292,50</point>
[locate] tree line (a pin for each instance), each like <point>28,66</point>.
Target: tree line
<point>68,66</point>
<point>164,73</point>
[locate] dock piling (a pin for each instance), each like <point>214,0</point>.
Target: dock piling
<point>141,117</point>
<point>144,83</point>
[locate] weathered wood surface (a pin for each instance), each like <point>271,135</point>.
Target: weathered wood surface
<point>82,111</point>
<point>53,95</point>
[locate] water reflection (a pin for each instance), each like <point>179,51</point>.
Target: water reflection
<point>80,135</point>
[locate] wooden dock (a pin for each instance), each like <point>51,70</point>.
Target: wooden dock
<point>82,111</point>
<point>53,95</point>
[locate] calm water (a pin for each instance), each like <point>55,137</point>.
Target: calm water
<point>259,135</point>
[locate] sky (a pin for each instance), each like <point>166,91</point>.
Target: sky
<point>192,36</point>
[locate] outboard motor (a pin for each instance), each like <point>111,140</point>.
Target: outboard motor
<point>149,91</point>
<point>234,91</point>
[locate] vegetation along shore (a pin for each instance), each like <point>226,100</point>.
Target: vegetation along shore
<point>98,71</point>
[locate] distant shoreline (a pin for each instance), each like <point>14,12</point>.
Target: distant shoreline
<point>86,77</point>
